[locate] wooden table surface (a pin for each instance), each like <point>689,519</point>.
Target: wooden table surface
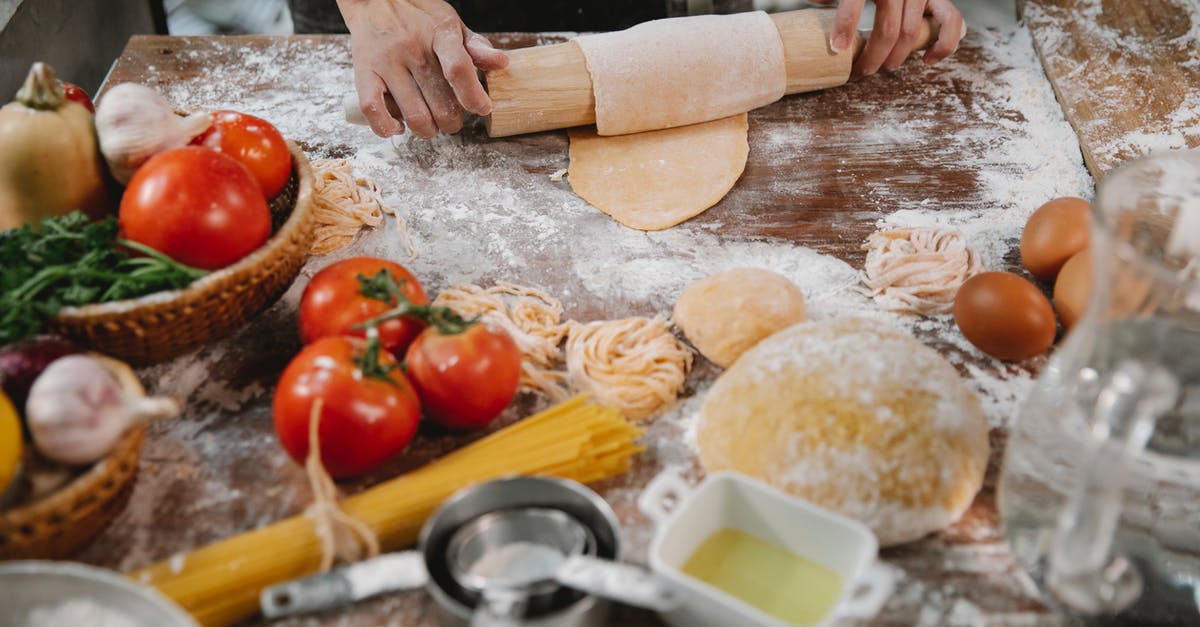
<point>976,142</point>
<point>1127,73</point>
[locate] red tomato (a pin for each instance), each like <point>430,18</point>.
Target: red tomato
<point>196,206</point>
<point>464,379</point>
<point>255,143</point>
<point>333,302</point>
<point>76,93</point>
<point>365,420</point>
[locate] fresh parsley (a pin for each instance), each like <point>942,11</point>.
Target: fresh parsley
<point>71,261</point>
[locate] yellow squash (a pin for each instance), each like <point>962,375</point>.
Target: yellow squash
<point>49,161</point>
<point>10,442</point>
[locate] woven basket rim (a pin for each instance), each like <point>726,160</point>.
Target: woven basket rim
<point>128,449</point>
<point>279,239</point>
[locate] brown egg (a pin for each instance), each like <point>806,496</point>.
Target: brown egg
<point>1054,233</point>
<point>1073,288</point>
<point>1004,316</point>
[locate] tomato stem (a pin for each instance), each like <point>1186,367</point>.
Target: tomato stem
<point>384,287</point>
<point>368,362</point>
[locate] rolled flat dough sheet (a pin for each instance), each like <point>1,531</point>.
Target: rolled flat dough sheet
<point>685,70</point>
<point>655,180</point>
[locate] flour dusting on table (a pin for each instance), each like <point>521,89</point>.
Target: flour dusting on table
<point>481,211</point>
<point>1099,63</point>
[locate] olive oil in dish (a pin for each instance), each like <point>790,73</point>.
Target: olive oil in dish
<point>765,575</point>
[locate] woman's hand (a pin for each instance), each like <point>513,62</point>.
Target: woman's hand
<point>897,24</point>
<point>421,53</point>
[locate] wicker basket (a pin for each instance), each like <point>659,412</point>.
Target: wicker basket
<point>62,523</point>
<point>163,325</point>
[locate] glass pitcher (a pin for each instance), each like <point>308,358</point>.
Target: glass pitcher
<point>1100,488</point>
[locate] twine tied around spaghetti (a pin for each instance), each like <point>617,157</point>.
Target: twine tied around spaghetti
<point>343,537</point>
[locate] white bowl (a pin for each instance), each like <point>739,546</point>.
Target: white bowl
<point>685,517</point>
<point>35,593</point>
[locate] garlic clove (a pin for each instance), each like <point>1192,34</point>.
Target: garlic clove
<point>78,410</point>
<point>134,123</point>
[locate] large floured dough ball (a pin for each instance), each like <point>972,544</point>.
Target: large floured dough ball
<point>723,315</point>
<point>855,417</point>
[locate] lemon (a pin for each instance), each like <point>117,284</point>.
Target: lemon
<point>10,442</point>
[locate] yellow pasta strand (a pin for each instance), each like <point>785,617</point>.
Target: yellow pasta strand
<point>220,583</point>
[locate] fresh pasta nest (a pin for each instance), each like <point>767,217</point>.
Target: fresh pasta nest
<point>917,270</point>
<point>163,325</point>
<point>634,365</point>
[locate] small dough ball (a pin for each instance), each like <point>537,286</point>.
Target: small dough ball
<point>1073,289</point>
<point>725,314</point>
<point>1055,232</point>
<point>853,416</point>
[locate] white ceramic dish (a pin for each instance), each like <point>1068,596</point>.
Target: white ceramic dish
<point>731,500</point>
<point>35,593</point>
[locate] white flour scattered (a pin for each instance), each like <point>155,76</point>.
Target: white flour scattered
<point>308,107</point>
<point>1118,53</point>
<point>479,211</point>
<point>79,611</point>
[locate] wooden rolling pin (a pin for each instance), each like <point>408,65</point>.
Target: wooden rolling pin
<point>549,87</point>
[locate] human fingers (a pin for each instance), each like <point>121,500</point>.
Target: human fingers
<point>845,24</point>
<point>888,14</point>
<point>485,56</point>
<point>458,69</point>
<point>910,28</point>
<point>409,98</point>
<point>951,30</point>
<point>371,90</point>
<point>439,97</point>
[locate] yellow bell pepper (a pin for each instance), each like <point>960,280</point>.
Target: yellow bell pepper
<point>10,442</point>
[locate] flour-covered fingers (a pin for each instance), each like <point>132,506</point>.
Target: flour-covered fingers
<point>439,98</point>
<point>458,69</point>
<point>483,53</point>
<point>845,24</point>
<point>888,17</point>
<point>410,99</point>
<point>371,90</point>
<point>910,28</point>
<point>951,26</point>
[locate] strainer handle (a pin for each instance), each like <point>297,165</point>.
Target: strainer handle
<point>342,586</point>
<point>871,591</point>
<point>624,583</point>
<point>662,495</point>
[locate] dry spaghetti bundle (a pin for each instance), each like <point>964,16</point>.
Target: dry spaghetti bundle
<point>634,364</point>
<point>533,321</point>
<point>343,204</point>
<point>220,583</point>
<point>917,270</point>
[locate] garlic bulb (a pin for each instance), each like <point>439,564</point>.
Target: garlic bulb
<point>135,123</point>
<point>78,410</point>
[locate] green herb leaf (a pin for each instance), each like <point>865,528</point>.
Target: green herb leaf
<point>71,261</point>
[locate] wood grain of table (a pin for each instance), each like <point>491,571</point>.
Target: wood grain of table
<point>824,170</point>
<point>1127,73</point>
